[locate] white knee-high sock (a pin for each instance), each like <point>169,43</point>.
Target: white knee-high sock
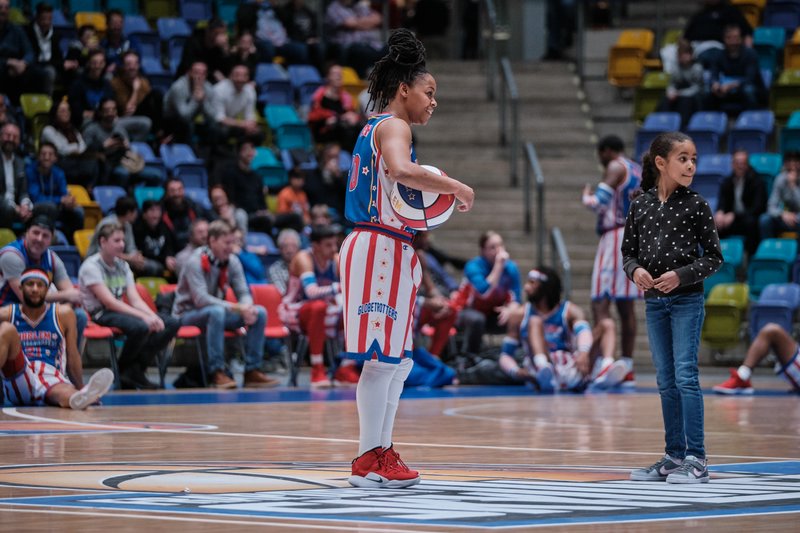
<point>393,400</point>
<point>371,394</point>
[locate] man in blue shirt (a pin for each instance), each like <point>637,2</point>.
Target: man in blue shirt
<point>47,187</point>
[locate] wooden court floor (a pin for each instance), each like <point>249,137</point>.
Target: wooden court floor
<point>492,458</point>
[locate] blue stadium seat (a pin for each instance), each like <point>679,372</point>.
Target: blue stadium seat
<point>305,80</point>
<point>192,175</point>
<point>654,124</point>
<point>289,162</point>
<point>772,263</point>
<point>175,52</point>
<point>778,303</point>
<point>707,129</point>
<point>255,238</point>
<point>193,11</point>
<point>71,258</point>
<point>272,172</point>
<point>719,165</point>
<point>132,23</point>
<point>106,196</point>
<point>790,134</point>
<point>150,160</point>
<point>60,23</point>
<point>707,186</point>
<point>783,14</point>
<point>148,45</point>
<point>172,27</point>
<point>751,131</point>
<point>152,66</point>
<point>274,86</point>
<point>176,153</point>
<point>199,196</point>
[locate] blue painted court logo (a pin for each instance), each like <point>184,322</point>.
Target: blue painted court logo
<point>486,496</point>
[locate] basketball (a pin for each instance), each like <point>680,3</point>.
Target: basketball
<point>420,210</point>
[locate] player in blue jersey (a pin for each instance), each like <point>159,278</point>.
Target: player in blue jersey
<point>39,357</point>
<point>562,352</point>
<point>611,201</point>
<point>380,272</point>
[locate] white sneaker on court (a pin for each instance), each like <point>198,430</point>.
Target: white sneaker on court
<point>98,385</point>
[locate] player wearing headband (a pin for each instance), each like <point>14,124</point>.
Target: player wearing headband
<point>39,357</point>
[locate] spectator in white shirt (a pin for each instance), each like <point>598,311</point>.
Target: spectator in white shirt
<point>236,104</point>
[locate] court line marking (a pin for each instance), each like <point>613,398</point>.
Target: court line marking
<point>156,516</point>
<point>454,412</point>
<point>12,411</point>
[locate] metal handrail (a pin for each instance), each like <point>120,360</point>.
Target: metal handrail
<point>534,167</point>
<point>491,48</point>
<point>560,258</point>
<point>509,92</point>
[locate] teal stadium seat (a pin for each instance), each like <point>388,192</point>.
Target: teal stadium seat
<point>733,255</point>
<point>772,263</point>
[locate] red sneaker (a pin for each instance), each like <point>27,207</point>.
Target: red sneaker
<point>376,469</point>
<point>629,381</point>
<point>734,385</point>
<point>394,456</point>
<point>346,376</point>
<point>319,377</point>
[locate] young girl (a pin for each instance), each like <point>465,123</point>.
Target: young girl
<point>379,269</point>
<point>665,229</point>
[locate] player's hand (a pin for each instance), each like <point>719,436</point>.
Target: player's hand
<point>582,363</point>
<point>466,196</point>
<point>642,279</point>
<point>667,282</point>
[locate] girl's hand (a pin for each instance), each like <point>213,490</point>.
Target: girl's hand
<point>642,279</point>
<point>667,282</point>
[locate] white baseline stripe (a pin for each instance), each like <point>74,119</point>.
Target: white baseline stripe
<point>12,411</point>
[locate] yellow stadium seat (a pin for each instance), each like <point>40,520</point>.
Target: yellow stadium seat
<point>751,9</point>
<point>152,284</point>
<point>91,210</point>
<point>791,52</point>
<point>726,311</point>
<point>34,104</point>
<point>351,82</point>
<point>82,238</point>
<point>649,94</point>
<point>6,236</point>
<point>92,18</point>
<point>785,94</point>
<point>625,66</point>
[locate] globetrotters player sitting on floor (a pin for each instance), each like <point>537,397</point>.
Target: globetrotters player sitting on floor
<point>312,304</point>
<point>39,355</point>
<point>561,350</point>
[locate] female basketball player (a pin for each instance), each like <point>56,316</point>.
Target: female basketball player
<point>380,272</point>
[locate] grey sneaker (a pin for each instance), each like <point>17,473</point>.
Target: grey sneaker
<point>98,385</point>
<point>693,470</point>
<point>657,472</point>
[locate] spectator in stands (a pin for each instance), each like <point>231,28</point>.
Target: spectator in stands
<point>706,28</point>
<point>190,107</point>
<point>771,339</point>
<point>300,23</point>
<point>6,116</point>
<point>245,188</point>
<point>180,211</point>
<point>109,137</point>
<point>15,204</point>
<point>293,199</point>
<point>125,214</point>
<point>489,293</point>
<point>561,350</point>
<point>742,201</point>
<point>278,272</point>
<point>115,43</point>
<point>198,236</point>
<point>90,89</point>
<point>209,46</point>
<point>133,94</point>
<point>16,56</point>
<point>783,208</point>
<point>684,92</point>
<point>225,210</point>
<point>47,187</point>
<point>200,301</point>
<point>236,105</point>
<point>272,35</point>
<point>78,51</point>
<point>155,241</point>
<point>329,183</point>
<point>47,58</point>
<point>334,116</point>
<point>78,163</point>
<point>245,52</point>
<point>40,363</point>
<point>254,271</point>
<point>105,278</point>
<point>436,308</point>
<point>32,251</point>
<point>735,76</point>
<point>355,29</point>
<point>312,304</point>
<point>444,283</point>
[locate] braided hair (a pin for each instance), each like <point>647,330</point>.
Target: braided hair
<point>404,63</point>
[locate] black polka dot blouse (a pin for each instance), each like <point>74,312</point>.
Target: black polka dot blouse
<point>678,235</point>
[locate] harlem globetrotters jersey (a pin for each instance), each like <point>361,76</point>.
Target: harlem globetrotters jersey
<point>617,212</point>
<point>42,341</point>
<point>557,332</point>
<point>369,183</point>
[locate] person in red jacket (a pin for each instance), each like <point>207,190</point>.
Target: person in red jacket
<point>333,116</point>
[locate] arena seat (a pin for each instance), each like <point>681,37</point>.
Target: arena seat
<point>649,94</point>
<point>193,11</point>
<point>627,59</point>
<point>106,196</point>
<point>150,159</point>
<point>71,258</point>
<point>767,165</point>
<point>707,129</point>
<point>92,18</point>
<point>790,134</point>
<point>192,175</point>
<point>142,194</point>
<point>778,303</point>
<point>733,256</point>
<point>6,236</point>
<point>170,27</point>
<point>782,13</point>
<point>305,79</point>
<point>82,238</point>
<point>175,154</point>
<point>654,124</point>
<point>185,334</point>
<point>768,44</point>
<point>272,172</point>
<point>152,284</point>
<point>726,310</point>
<point>351,82</point>
<point>785,94</point>
<point>274,86</point>
<point>91,210</point>
<point>751,131</point>
<point>791,51</point>
<point>199,195</point>
<point>751,9</point>
<point>133,22</point>
<point>772,263</point>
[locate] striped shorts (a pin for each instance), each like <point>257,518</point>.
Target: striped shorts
<point>791,370</point>
<point>608,277</point>
<point>29,385</point>
<point>379,276</point>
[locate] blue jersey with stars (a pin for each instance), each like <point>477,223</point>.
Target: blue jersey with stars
<point>557,331</point>
<point>369,184</point>
<point>615,215</point>
<point>42,340</point>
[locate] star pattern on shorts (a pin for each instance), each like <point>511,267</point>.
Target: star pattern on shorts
<point>381,277</point>
<point>411,195</point>
<point>379,293</point>
<point>376,324</point>
<point>384,263</point>
<point>365,170</point>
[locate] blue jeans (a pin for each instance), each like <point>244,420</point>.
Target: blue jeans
<point>673,327</point>
<point>81,319</point>
<point>215,319</point>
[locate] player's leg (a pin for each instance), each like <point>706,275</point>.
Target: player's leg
<point>19,390</point>
<point>627,316</point>
<point>542,366</point>
<point>312,323</point>
<point>605,371</point>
